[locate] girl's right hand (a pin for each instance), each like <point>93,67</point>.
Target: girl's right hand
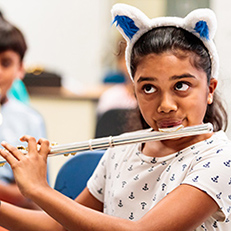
<point>30,170</point>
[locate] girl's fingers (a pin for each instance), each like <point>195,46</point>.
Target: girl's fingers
<point>44,146</point>
<point>11,154</point>
<point>32,143</point>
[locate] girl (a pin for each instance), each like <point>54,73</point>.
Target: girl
<point>179,184</point>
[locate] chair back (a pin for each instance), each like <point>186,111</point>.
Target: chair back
<point>74,174</point>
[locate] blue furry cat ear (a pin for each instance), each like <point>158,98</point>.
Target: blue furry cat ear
<point>126,24</point>
<point>202,22</point>
<point>129,20</point>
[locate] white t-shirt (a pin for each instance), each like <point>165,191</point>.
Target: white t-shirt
<point>130,183</point>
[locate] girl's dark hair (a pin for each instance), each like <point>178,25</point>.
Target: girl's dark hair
<point>181,43</point>
<point>11,38</point>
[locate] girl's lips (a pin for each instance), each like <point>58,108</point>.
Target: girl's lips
<point>168,124</point>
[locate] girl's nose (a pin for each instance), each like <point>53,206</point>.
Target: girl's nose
<point>167,104</point>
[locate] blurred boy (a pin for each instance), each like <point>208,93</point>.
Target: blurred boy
<point>18,118</point>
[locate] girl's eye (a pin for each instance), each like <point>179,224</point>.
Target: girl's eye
<point>180,86</point>
<point>148,89</point>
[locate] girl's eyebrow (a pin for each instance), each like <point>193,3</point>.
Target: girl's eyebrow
<point>175,77</point>
<point>186,75</point>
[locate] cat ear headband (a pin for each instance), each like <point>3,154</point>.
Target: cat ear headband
<point>132,24</point>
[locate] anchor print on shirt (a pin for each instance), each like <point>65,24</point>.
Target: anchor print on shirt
<point>219,150</point>
<point>163,186</point>
<point>183,167</point>
<point>178,153</point>
<point>229,196</point>
<point>131,196</point>
<point>219,195</point>
<point>131,216</point>
<point>153,161</point>
<point>120,204</point>
<point>130,168</point>
<point>195,179</point>
<point>136,177</point>
<point>143,204</point>
<point>145,188</point>
<point>100,191</point>
<point>124,183</point>
<point>227,163</point>
<point>230,180</point>
<point>173,177</point>
<point>207,165</point>
<point>215,179</point>
<point>151,169</point>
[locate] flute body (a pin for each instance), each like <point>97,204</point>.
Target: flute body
<point>127,138</point>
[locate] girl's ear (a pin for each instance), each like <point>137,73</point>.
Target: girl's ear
<point>212,87</point>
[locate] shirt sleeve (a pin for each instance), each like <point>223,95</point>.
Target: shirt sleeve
<point>212,174</point>
<point>96,184</point>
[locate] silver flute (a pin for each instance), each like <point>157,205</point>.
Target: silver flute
<point>126,138</point>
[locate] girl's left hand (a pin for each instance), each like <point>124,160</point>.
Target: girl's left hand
<point>30,170</point>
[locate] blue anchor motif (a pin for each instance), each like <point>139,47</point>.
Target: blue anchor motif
<point>227,163</point>
<point>207,165</point>
<point>120,203</point>
<point>173,177</point>
<point>154,198</point>
<point>181,159</point>
<point>131,216</point>
<point>163,186</point>
<point>229,208</point>
<point>142,162</point>
<point>178,153</point>
<point>215,179</point>
<point>230,180</point>
<point>219,195</point>
<point>183,167</point>
<point>116,165</point>
<point>145,188</point>
<point>123,183</point>
<point>219,150</point>
<point>195,179</point>
<point>136,177</point>
<point>151,169</point>
<point>100,191</point>
<point>153,161</point>
<point>227,220</point>
<point>209,142</point>
<point>143,204</point>
<point>130,168</point>
<point>215,224</point>
<point>118,176</point>
<point>193,147</point>
<point>168,169</point>
<point>229,196</point>
<point>199,158</point>
<point>195,153</point>
<point>131,196</point>
<point>158,179</point>
<point>164,163</point>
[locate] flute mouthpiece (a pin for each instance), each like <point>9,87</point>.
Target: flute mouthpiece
<point>172,129</point>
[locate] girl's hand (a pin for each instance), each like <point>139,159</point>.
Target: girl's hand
<point>30,170</point>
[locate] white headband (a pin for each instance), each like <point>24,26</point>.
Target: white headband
<point>133,23</point>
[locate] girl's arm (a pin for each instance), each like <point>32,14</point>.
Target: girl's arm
<point>185,208</point>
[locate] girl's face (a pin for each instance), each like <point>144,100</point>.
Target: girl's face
<point>170,91</point>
